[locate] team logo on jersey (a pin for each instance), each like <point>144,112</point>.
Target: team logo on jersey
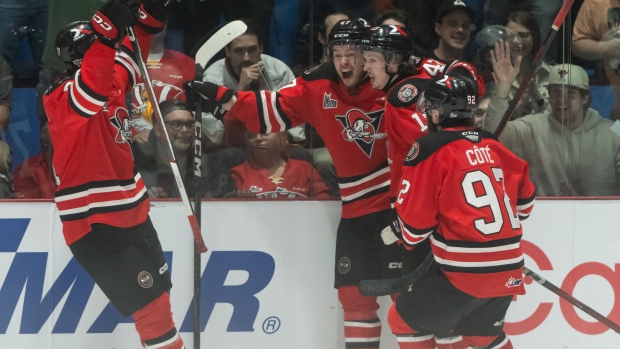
<point>255,189</point>
<point>328,102</point>
<point>362,128</point>
<point>145,279</point>
<point>407,92</point>
<point>120,120</point>
<point>512,282</point>
<point>413,152</point>
<point>280,193</point>
<point>344,265</point>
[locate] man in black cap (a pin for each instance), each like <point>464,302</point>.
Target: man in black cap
<point>453,26</point>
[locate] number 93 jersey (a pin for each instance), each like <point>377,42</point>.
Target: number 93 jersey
<point>467,193</point>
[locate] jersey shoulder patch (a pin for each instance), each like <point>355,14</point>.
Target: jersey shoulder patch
<point>324,71</point>
<point>407,92</point>
<point>427,145</point>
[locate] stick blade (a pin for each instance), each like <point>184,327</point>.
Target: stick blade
<point>218,41</point>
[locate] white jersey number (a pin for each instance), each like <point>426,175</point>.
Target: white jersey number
<point>489,199</point>
<point>416,117</point>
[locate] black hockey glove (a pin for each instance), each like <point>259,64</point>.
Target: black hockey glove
<point>112,18</point>
<point>153,14</point>
<point>392,233</point>
<point>216,94</point>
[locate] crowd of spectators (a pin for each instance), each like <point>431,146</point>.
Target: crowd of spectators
<point>569,155</point>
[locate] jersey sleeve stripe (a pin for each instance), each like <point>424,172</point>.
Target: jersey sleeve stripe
<point>412,236</point>
<point>128,60</point>
<point>279,113</point>
<point>90,95</point>
<point>261,112</point>
<point>69,192</point>
<point>264,111</point>
<point>524,207</point>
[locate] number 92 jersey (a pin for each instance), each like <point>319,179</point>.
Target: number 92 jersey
<point>467,192</point>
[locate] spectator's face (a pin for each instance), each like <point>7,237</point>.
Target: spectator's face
<point>454,29</point>
<point>374,65</point>
<point>349,65</point>
<point>331,20</point>
<point>567,105</point>
<point>480,114</point>
<point>264,144</point>
<point>180,128</point>
<point>243,52</point>
<point>523,42</point>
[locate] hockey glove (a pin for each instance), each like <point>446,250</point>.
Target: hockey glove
<point>112,18</point>
<point>216,94</point>
<point>153,14</point>
<point>392,233</point>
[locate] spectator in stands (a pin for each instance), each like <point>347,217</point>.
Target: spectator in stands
<point>246,68</point>
<point>480,114</point>
<point>525,39</point>
<point>19,19</point>
<point>596,36</point>
<point>6,95</point>
<point>154,166</point>
<point>269,173</point>
<point>168,70</point>
<point>34,178</point>
<point>6,179</point>
<point>454,27</point>
<point>570,148</point>
<point>400,17</point>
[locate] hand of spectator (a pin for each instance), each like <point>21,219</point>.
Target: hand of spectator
<point>247,76</point>
<point>157,192</point>
<point>141,137</point>
<point>611,48</point>
<point>504,71</point>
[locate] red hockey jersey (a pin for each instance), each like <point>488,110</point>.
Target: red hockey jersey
<point>89,128</point>
<point>403,124</point>
<point>167,76</point>
<point>467,192</point>
<point>299,180</point>
<point>351,123</point>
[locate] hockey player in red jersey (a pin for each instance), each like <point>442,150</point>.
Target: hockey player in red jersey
<point>392,68</point>
<point>338,100</point>
<point>101,198</point>
<point>465,192</point>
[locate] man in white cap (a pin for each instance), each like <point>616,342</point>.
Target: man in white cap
<point>571,149</point>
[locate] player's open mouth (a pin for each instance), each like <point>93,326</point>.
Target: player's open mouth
<point>347,74</point>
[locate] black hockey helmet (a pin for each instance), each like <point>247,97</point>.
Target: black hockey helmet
<point>455,98</point>
<point>72,42</point>
<point>389,40</point>
<point>347,32</point>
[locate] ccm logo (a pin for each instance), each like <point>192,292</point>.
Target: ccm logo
<point>142,14</point>
<point>395,265</point>
<point>106,26</point>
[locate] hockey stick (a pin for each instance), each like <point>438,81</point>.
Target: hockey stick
<point>193,222</point>
<point>213,43</point>
<point>535,64</point>
<point>216,41</point>
<point>572,300</point>
<point>384,287</point>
